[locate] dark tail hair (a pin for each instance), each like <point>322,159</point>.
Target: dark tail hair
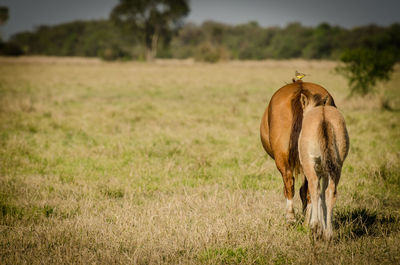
<point>330,161</point>
<point>297,122</point>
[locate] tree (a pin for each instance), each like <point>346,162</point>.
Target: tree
<point>324,40</point>
<point>364,67</point>
<point>289,42</point>
<point>3,16</point>
<point>150,19</point>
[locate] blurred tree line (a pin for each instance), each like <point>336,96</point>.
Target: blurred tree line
<point>210,41</point>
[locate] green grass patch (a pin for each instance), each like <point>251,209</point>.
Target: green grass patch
<point>223,255</point>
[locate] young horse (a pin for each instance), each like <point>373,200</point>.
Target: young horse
<point>323,146</point>
<point>280,129</point>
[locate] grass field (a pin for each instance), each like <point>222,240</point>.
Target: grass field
<point>136,163</point>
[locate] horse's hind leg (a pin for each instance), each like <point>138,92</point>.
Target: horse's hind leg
<point>305,199</point>
<point>314,189</point>
<point>288,188</point>
<point>330,196</point>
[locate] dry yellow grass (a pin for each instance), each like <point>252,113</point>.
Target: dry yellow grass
<point>161,163</point>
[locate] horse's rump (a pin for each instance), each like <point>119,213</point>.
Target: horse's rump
<point>330,158</point>
<point>297,121</point>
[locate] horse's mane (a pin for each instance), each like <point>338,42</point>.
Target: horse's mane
<point>297,122</point>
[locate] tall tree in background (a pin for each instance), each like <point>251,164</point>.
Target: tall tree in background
<point>149,19</point>
<point>3,16</point>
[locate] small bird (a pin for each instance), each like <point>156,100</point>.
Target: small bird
<point>299,75</point>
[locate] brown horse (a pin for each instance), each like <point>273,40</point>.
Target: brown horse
<point>323,146</point>
<point>280,129</point>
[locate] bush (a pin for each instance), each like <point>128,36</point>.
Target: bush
<point>210,53</point>
<point>113,54</point>
<point>364,67</point>
<point>10,49</point>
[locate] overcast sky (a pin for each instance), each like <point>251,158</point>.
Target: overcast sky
<point>28,14</point>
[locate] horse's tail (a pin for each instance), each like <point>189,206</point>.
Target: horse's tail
<point>330,159</point>
<point>297,112</point>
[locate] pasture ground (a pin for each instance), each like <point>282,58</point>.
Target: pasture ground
<point>161,163</point>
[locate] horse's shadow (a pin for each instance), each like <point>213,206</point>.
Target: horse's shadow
<point>358,222</point>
